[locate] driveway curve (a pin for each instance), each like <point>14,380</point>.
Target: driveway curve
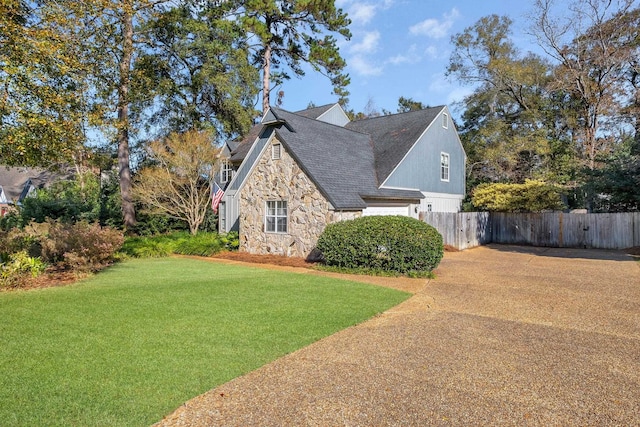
<point>505,335</point>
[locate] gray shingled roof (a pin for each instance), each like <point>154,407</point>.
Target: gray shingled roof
<point>340,161</point>
<point>240,148</point>
<point>315,112</point>
<point>243,146</point>
<point>394,135</point>
<point>13,180</point>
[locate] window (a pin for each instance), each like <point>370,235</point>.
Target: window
<point>226,171</point>
<point>445,120</point>
<point>275,151</point>
<point>429,207</point>
<point>444,167</point>
<point>222,216</point>
<point>276,217</point>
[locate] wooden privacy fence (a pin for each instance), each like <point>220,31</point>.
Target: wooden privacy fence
<point>461,230</point>
<point>556,229</point>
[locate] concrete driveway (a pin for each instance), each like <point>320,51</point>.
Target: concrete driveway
<point>504,335</point>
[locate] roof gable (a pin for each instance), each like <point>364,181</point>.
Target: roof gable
<point>349,164</point>
<point>16,182</point>
<point>340,161</point>
<point>315,112</point>
<point>331,113</point>
<point>394,135</point>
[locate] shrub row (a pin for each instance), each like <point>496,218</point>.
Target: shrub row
<point>80,246</point>
<point>183,243</point>
<point>389,243</point>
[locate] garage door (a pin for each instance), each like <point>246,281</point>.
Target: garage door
<point>386,210</point>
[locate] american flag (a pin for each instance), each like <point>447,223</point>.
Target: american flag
<point>216,196</point>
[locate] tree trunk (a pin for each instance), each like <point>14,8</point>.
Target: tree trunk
<point>266,71</point>
<point>128,210</point>
<point>635,148</point>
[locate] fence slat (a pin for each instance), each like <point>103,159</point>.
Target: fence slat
<point>461,230</point>
<point>555,229</point>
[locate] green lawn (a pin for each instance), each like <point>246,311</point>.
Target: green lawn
<point>131,344</point>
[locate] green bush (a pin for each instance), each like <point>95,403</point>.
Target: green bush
<point>149,247</point>
<point>231,240</point>
<point>16,266</point>
<point>10,220</point>
<point>28,239</point>
<point>388,243</point>
<point>202,244</point>
<point>155,224</point>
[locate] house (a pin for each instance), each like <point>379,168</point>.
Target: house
<point>297,172</point>
<point>17,183</point>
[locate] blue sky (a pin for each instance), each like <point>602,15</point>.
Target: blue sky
<point>402,48</point>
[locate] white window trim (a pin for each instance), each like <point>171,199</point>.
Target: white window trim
<point>278,205</point>
<point>445,166</point>
<point>445,120</point>
<point>276,151</point>
<point>226,171</point>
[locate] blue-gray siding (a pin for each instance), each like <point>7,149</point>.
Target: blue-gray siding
<point>231,204</point>
<point>334,116</point>
<point>248,162</point>
<point>421,167</point>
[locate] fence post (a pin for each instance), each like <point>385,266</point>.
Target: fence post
<point>560,231</point>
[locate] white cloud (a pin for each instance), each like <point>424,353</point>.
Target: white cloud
<point>399,59</point>
<point>434,28</point>
<point>361,13</point>
<point>411,57</point>
<point>368,44</point>
<point>364,67</point>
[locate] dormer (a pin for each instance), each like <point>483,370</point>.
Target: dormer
<point>331,113</point>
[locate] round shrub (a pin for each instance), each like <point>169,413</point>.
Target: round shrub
<point>389,243</point>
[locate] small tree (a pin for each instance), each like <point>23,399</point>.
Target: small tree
<point>178,183</point>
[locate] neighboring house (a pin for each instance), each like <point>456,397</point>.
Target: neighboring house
<point>17,183</point>
<point>297,172</point>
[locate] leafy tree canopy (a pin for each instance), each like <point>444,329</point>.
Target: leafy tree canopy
<point>42,100</point>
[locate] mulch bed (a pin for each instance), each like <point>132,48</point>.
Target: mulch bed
<point>266,259</point>
<point>51,278</point>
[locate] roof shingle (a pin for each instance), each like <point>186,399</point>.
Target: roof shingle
<point>339,160</point>
<point>394,135</point>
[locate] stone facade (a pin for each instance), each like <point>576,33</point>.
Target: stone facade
<point>307,209</point>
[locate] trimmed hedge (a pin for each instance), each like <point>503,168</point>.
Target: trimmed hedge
<point>389,243</point>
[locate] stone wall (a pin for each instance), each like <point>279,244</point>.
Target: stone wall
<point>308,210</point>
